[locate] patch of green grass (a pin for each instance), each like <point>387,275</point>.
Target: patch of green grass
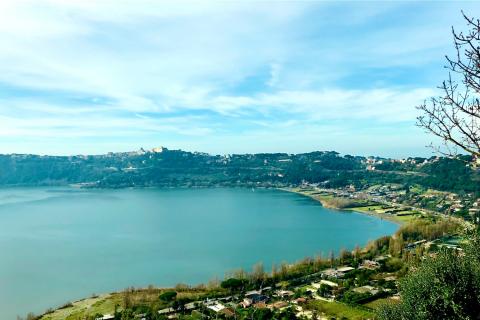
<point>367,209</point>
<point>407,218</point>
<point>375,304</point>
<point>340,310</point>
<point>105,304</point>
<point>417,189</point>
<point>90,306</point>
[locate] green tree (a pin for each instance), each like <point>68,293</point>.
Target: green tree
<point>168,296</point>
<point>233,284</point>
<point>179,304</point>
<point>324,290</point>
<point>443,287</point>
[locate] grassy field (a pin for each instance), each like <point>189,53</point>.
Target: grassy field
<point>87,307</point>
<point>105,304</point>
<point>339,310</point>
<point>377,210</point>
<point>330,201</point>
<point>375,304</point>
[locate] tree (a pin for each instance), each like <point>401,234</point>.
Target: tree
<point>324,290</point>
<point>331,257</point>
<point>356,252</point>
<point>258,273</point>
<point>454,116</point>
<point>344,256</point>
<point>179,304</point>
<point>168,296</point>
<point>443,287</point>
<point>233,284</point>
<point>127,298</point>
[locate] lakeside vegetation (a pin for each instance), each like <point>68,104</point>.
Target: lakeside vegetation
<point>291,291</point>
<point>328,199</point>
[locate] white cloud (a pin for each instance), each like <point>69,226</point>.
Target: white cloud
<point>389,105</point>
<point>129,65</point>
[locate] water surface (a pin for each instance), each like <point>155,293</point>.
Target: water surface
<point>61,244</point>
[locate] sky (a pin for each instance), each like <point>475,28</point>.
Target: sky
<point>89,77</point>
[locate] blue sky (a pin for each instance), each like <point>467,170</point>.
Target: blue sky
<point>221,77</point>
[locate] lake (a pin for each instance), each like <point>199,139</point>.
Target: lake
<point>62,244</point>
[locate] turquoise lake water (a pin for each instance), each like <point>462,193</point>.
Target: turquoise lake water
<point>61,244</point>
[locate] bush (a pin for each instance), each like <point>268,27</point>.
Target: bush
<point>444,287</point>
<point>393,265</point>
<point>233,284</point>
<point>168,296</point>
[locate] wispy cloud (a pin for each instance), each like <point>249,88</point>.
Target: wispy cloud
<point>141,73</point>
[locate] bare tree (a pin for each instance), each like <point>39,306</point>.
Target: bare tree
<point>454,116</point>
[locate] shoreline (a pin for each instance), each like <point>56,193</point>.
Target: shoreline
<point>325,204</point>
<point>110,295</point>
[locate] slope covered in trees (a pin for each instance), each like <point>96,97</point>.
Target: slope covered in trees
<point>180,168</point>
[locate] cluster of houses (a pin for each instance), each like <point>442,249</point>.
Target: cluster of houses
<point>226,306</point>
<point>450,242</point>
<point>395,200</point>
<point>276,299</point>
<point>325,285</point>
<point>331,279</point>
<point>372,162</point>
<point>453,204</point>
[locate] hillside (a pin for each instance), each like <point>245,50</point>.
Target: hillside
<point>171,168</point>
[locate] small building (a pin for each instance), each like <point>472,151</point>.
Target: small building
<point>328,283</point>
<point>317,285</point>
<point>390,278</point>
<point>382,258</point>
<point>300,300</point>
<point>256,297</point>
<point>216,306</point>
<point>228,298</point>
<point>246,303</point>
<point>345,269</point>
<point>366,289</point>
<point>332,273</point>
<point>166,311</point>
<point>370,265</point>
<point>252,292</point>
<point>106,317</point>
<point>284,293</point>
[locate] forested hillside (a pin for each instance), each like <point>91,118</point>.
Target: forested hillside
<point>167,168</point>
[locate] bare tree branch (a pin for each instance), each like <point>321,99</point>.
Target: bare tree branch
<point>454,116</point>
